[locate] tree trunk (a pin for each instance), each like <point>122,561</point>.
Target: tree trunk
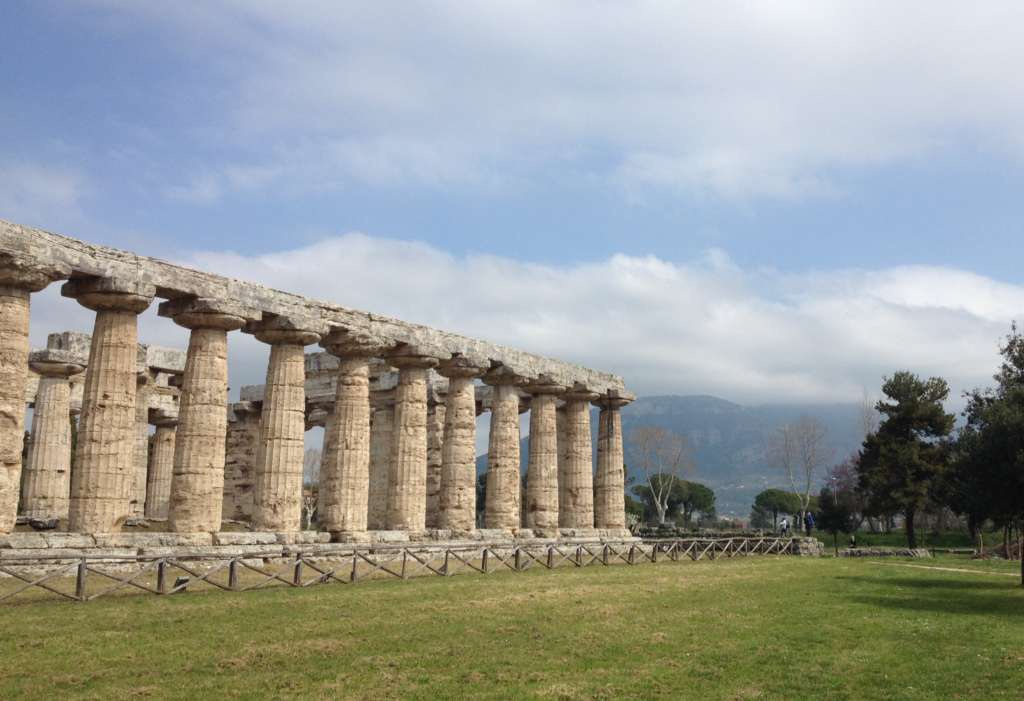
<point>911,537</point>
<point>835,538</point>
<point>1006,542</point>
<point>981,542</point>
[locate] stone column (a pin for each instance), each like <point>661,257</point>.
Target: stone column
<point>18,279</point>
<point>407,478</point>
<point>102,476</point>
<point>240,462</point>
<point>277,498</point>
<point>435,448</point>
<point>457,498</point>
<point>610,499</point>
<point>197,479</point>
<point>345,481</point>
<point>140,451</point>
<point>576,496</point>
<point>161,468</point>
<point>542,475</point>
<point>381,425</point>
<point>504,470</point>
<point>48,471</point>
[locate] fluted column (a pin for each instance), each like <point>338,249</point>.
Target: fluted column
<point>140,451</point>
<point>381,428</point>
<point>17,281</point>
<point>102,476</point>
<point>609,484</point>
<point>576,496</point>
<point>345,481</point>
<point>457,498</point>
<point>542,475</point>
<point>277,498</point>
<point>407,478</point>
<point>161,469</point>
<point>48,470</point>
<point>436,410</point>
<point>504,468</point>
<point>197,478</point>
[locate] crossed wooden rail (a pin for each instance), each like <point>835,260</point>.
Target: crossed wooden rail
<point>355,564</point>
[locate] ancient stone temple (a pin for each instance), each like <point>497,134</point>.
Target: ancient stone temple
<point>398,403</point>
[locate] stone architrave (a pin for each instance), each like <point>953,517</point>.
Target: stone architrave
<point>102,476</point>
<point>277,496</point>
<point>197,479</point>
<point>345,480</point>
<point>158,484</point>
<point>576,496</point>
<point>407,477</point>
<point>140,451</point>
<point>504,468</point>
<point>381,426</point>
<point>48,470</point>
<point>457,497</point>
<point>609,484</point>
<point>18,279</point>
<point>541,513</point>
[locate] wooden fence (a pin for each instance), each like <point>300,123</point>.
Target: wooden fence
<point>96,576</point>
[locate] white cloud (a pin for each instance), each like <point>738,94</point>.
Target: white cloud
<point>32,191</point>
<point>736,99</point>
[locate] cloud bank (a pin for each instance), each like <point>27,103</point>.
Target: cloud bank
<point>704,327</point>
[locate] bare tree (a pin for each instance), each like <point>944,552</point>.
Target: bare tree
<point>801,450</point>
<point>312,461</point>
<point>867,415</point>
<point>664,456</point>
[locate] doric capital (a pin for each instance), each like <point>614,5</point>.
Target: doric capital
<point>351,343</point>
<point>56,363</point>
<point>110,293</point>
<point>206,313</point>
<point>410,356</point>
<point>502,374</point>
<point>160,417</point>
<point>383,400</point>
<point>274,328</point>
<point>545,384</point>
<point>614,399</point>
<point>460,365</point>
<point>29,273</point>
<point>580,392</point>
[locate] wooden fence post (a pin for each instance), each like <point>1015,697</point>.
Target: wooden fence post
<point>297,579</point>
<point>233,574</point>
<point>80,582</point>
<point>161,576</point>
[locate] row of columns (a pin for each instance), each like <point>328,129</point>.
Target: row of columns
<point>187,472</point>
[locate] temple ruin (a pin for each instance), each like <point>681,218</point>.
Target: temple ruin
<point>398,403</point>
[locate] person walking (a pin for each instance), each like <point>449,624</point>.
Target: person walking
<point>808,523</point>
<point>784,527</point>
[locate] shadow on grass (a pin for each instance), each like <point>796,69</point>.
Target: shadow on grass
<point>937,583</point>
<point>951,596</point>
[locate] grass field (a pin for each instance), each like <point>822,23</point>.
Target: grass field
<point>760,627</point>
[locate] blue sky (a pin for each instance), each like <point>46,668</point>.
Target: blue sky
<point>765,201</point>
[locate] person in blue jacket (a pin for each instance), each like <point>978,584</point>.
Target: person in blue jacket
<point>808,523</point>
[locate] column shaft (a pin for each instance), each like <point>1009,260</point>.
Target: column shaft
<point>542,476</point>
<point>102,476</point>
<point>504,473</point>
<point>140,451</point>
<point>197,482</point>
<point>345,481</point>
<point>48,477</point>
<point>277,500</point>
<point>407,478</point>
<point>435,448</point>
<point>14,315</point>
<point>576,500</point>
<point>158,486</point>
<point>610,504</point>
<point>380,466</point>
<point>458,457</point>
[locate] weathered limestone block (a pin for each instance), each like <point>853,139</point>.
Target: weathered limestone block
<point>18,279</point>
<point>48,478</point>
<point>277,498</point>
<point>381,425</point>
<point>610,499</point>
<point>140,451</point>
<point>457,501</point>
<point>243,433</point>
<point>102,476</point>
<point>407,479</point>
<point>197,481</point>
<point>542,475</point>
<point>504,472</point>
<point>435,448</point>
<point>576,496</point>
<point>158,486</point>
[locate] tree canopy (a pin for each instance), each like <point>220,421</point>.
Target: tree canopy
<point>837,513</point>
<point>778,501</point>
<point>902,461</point>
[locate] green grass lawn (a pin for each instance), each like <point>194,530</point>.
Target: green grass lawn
<point>760,627</point>
<point>898,539</point>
